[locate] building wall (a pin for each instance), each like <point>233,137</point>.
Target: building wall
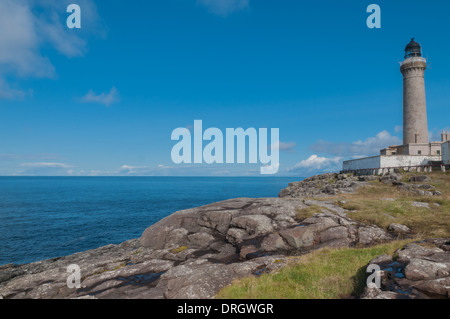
<point>389,161</point>
<point>403,150</point>
<point>407,160</point>
<point>362,163</point>
<point>424,149</point>
<point>446,153</point>
<point>415,126</point>
<point>391,150</point>
<point>433,148</point>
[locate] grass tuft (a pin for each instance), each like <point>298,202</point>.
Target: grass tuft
<point>178,250</point>
<point>322,274</point>
<point>308,212</point>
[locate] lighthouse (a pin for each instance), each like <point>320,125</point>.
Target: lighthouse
<point>415,126</point>
<point>416,153</point>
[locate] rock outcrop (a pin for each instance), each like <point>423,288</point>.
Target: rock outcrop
<point>329,184</point>
<point>420,270</point>
<point>332,184</point>
<point>413,186</point>
<point>195,252</point>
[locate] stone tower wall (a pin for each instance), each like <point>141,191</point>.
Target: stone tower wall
<point>415,126</point>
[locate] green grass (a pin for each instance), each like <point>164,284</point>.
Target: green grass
<point>308,212</point>
<point>178,250</point>
<point>366,206</point>
<point>322,274</point>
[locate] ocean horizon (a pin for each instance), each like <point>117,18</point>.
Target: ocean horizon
<point>44,217</point>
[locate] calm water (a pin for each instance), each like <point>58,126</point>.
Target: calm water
<point>46,217</point>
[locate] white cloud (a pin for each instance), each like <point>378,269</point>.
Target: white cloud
<point>398,128</point>
<point>177,170</point>
<point>133,170</point>
<point>20,41</point>
<point>8,93</point>
<point>44,169</point>
<point>30,157</point>
<point>224,7</point>
<point>46,165</point>
<point>283,146</point>
<point>104,98</point>
<point>369,147</point>
<point>29,28</point>
<point>315,162</point>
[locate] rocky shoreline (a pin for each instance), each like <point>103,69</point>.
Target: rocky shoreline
<point>196,252</point>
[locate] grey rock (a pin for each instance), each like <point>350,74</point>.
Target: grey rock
<point>419,189</point>
<point>440,286</point>
<point>333,234</point>
<point>336,243</point>
<point>324,185</point>
<point>236,236</point>
<point>329,190</point>
<point>253,224</point>
<point>370,234</point>
<point>421,271</point>
<point>415,250</point>
<point>246,250</point>
<point>197,282</point>
<point>399,229</point>
<point>367,178</point>
<point>386,179</point>
<point>298,237</point>
<point>381,259</point>
<point>376,293</point>
<point>424,186</point>
<point>200,240</point>
<point>156,237</point>
<point>255,216</point>
<point>419,179</point>
<point>216,220</point>
<point>424,193</point>
<point>328,205</point>
<point>420,204</point>
<point>176,237</point>
<point>273,242</point>
<point>156,265</point>
<point>321,223</point>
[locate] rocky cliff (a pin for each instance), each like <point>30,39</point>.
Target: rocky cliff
<point>196,252</point>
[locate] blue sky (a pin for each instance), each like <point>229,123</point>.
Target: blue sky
<point>104,99</point>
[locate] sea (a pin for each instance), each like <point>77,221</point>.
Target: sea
<point>48,217</point>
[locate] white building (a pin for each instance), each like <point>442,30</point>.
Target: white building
<point>381,164</point>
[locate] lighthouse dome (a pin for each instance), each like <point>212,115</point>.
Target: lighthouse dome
<point>413,49</point>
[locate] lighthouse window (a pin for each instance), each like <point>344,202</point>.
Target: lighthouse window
<point>419,152</point>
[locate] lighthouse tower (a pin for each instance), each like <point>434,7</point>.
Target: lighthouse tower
<point>415,126</point>
<point>417,153</point>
